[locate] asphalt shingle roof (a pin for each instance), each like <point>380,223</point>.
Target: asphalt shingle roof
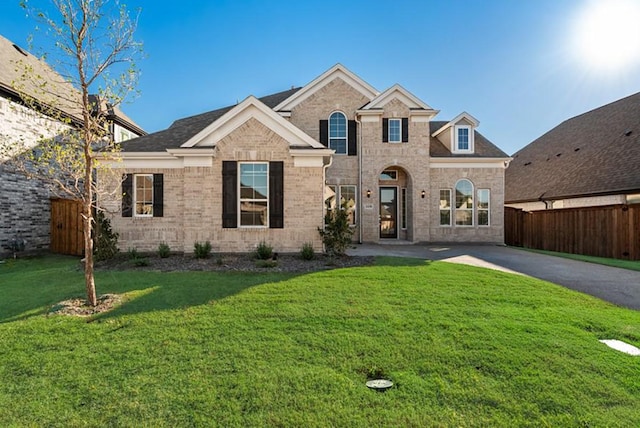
<point>182,130</point>
<point>595,153</point>
<point>483,147</point>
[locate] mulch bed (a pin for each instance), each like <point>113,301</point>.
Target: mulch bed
<point>232,262</point>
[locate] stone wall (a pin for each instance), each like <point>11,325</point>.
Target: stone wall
<point>24,204</point>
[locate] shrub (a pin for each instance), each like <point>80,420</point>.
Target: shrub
<point>336,235</point>
<point>105,244</point>
<point>307,252</point>
<point>202,250</point>
<point>267,263</point>
<point>264,251</point>
<point>140,262</point>
<point>133,254</point>
<point>163,250</point>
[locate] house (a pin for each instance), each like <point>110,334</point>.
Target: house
<point>30,112</point>
<point>268,169</point>
<point>589,160</point>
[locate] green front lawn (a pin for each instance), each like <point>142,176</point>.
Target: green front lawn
<point>465,347</point>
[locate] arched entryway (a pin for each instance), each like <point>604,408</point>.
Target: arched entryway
<point>394,204</point>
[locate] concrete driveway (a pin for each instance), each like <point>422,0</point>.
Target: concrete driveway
<point>615,285</point>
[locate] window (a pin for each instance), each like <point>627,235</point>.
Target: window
<point>338,133</point>
<point>347,197</point>
<point>482,207</point>
<point>464,203</point>
<point>395,130</point>
<point>254,194</point>
<point>403,208</point>
<point>389,174</point>
<point>463,139</point>
<point>143,195</point>
<point>445,207</point>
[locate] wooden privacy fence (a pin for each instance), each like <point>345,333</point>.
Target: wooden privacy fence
<point>66,227</point>
<point>608,231</point>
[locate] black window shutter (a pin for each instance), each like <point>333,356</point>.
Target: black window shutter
<point>127,192</point>
<point>385,130</point>
<point>324,132</point>
<point>353,139</point>
<point>229,194</point>
<point>158,195</point>
<point>276,195</point>
<point>405,129</point>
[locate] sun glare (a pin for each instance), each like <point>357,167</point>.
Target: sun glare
<point>607,35</point>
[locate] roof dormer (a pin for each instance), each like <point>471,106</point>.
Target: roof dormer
<point>459,134</point>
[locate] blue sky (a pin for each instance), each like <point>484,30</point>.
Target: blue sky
<point>509,63</point>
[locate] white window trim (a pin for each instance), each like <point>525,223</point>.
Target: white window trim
<point>450,209</point>
<point>346,138</point>
<point>455,139</point>
<point>473,205</point>
<point>240,199</point>
<point>338,196</point>
<point>399,140</point>
<point>135,195</point>
<point>488,209</point>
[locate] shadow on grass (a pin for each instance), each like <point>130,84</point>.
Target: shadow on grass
<point>31,287</point>
<point>401,261</point>
<point>158,291</point>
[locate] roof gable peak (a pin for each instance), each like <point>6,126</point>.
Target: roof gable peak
<point>337,71</point>
<point>398,92</point>
<point>250,108</point>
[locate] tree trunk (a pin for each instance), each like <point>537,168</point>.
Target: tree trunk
<point>88,253</point>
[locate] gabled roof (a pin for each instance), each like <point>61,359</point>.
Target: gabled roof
<point>595,153</point>
<point>182,130</point>
<point>251,108</point>
<point>464,115</point>
<point>335,72</point>
<point>115,114</point>
<point>483,147</point>
<point>400,93</point>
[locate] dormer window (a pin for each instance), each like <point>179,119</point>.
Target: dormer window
<point>463,139</point>
<point>395,130</point>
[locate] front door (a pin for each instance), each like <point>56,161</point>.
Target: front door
<point>388,212</point>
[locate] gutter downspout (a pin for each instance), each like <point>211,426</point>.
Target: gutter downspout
<point>360,205</point>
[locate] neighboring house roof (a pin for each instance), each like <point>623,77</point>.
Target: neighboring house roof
<point>182,130</point>
<point>595,153</point>
<point>22,73</point>
<point>483,147</point>
<point>116,115</point>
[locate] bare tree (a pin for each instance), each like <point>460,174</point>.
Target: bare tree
<point>94,51</point>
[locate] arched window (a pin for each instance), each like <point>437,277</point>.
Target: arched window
<point>464,203</point>
<point>338,132</point>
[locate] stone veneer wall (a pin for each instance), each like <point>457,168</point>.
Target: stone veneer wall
<point>193,201</point>
<point>25,210</point>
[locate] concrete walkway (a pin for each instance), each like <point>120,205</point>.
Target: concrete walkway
<point>615,285</point>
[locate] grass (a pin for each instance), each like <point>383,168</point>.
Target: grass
<point>465,346</point>
<point>624,264</point>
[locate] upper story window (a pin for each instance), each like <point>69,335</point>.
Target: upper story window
<point>395,130</point>
<point>464,203</point>
<point>143,195</point>
<point>338,132</point>
<point>463,139</point>
<point>254,194</point>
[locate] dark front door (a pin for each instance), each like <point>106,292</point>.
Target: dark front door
<point>388,212</point>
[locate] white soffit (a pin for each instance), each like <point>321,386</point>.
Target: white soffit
<point>250,108</point>
<point>337,71</point>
